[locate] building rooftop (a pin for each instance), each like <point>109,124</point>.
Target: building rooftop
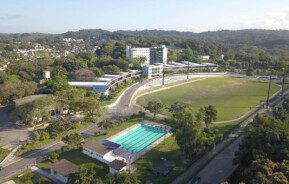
<point>98,147</point>
<point>64,167</point>
<point>86,84</point>
<point>117,164</point>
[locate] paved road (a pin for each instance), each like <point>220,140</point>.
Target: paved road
<point>215,172</point>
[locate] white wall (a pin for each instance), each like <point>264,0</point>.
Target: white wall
<point>95,155</point>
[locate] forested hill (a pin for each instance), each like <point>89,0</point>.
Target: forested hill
<point>269,39</point>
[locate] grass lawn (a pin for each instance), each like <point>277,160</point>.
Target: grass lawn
<point>76,157</point>
<point>167,149</point>
<point>3,153</point>
<point>224,127</point>
<point>116,129</point>
<point>232,97</point>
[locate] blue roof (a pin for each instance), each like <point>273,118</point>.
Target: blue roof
<point>110,144</point>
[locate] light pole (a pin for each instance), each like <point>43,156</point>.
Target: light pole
<point>269,88</point>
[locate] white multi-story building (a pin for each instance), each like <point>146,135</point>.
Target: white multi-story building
<point>151,55</point>
<point>152,70</point>
<point>138,53</point>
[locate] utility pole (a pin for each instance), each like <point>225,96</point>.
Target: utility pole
<point>269,88</point>
<point>188,72</point>
<point>163,75</point>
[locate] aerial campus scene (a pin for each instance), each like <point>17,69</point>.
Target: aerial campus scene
<point>144,92</point>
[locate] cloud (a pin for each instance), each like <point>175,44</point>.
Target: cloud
<point>7,16</point>
<point>278,19</point>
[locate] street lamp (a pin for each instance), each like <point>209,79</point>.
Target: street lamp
<point>269,88</point>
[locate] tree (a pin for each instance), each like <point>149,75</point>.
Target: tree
<point>84,74</point>
<point>250,71</point>
<point>112,69</point>
<point>45,135</point>
<point>266,138</point>
<point>7,78</point>
<point>59,71</point>
<point>92,107</point>
<point>210,114</point>
<point>73,140</point>
<point>154,107</point>
<point>37,111</point>
<point>58,84</point>
<point>97,71</point>
<point>58,126</point>
<point>54,155</point>
<point>87,173</point>
<point>16,90</point>
<point>188,132</point>
<point>37,135</point>
<point>267,172</point>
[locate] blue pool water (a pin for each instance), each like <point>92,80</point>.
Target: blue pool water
<point>139,138</point>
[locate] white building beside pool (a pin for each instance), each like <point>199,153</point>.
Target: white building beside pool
<point>128,145</point>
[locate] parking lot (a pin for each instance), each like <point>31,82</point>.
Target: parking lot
<point>9,132</point>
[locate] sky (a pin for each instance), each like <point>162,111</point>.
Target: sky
<point>58,16</point>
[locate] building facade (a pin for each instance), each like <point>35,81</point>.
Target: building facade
<point>151,55</point>
<point>152,71</point>
<point>159,55</point>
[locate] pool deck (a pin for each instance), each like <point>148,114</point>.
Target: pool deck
<point>132,157</point>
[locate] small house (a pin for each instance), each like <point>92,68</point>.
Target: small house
<point>61,169</point>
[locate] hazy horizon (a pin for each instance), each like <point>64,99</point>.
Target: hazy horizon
<point>52,16</point>
<point>143,30</point>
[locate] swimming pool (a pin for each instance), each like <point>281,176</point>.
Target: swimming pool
<point>137,139</point>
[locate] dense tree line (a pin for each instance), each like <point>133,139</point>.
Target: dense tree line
<point>263,155</point>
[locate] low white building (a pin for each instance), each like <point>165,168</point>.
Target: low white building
<point>100,151</point>
<point>101,87</point>
<point>152,70</point>
<point>104,84</point>
<point>61,169</point>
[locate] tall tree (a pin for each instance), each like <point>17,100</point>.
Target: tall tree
<point>210,114</point>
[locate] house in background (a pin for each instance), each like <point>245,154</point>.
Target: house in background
<point>61,169</point>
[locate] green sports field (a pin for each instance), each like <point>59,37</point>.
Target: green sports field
<point>232,97</point>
